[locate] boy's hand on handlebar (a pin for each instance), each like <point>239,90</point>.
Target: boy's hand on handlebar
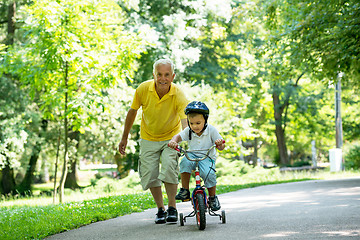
<point>220,144</point>
<point>173,144</point>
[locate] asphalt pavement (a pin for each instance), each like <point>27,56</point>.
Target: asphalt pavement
<point>318,209</point>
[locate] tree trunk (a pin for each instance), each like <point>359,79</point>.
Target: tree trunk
<point>71,178</point>
<point>11,23</point>
<point>56,166</point>
<point>7,179</point>
<point>279,130</point>
<point>25,185</point>
<point>66,130</point>
<point>255,154</point>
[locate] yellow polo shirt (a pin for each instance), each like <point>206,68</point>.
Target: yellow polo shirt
<point>161,118</point>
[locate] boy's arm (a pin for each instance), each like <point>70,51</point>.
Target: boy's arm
<point>174,141</point>
<point>129,121</point>
<point>184,123</point>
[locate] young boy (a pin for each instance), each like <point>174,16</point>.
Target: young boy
<point>199,135</point>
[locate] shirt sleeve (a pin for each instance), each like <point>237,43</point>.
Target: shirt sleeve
<point>136,103</point>
<point>215,135</point>
<point>184,134</point>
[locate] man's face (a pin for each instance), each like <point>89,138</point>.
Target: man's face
<point>163,77</point>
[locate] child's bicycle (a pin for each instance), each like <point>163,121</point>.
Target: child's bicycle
<point>199,197</point>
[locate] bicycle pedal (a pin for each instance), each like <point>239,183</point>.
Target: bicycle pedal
<point>186,200</point>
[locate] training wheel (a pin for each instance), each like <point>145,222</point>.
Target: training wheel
<point>181,219</point>
<point>223,217</point>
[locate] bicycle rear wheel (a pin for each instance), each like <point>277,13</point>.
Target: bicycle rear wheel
<point>200,208</point>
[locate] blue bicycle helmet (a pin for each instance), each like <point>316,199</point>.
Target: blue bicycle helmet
<point>197,107</point>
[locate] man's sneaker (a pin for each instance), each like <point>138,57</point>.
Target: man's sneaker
<point>214,203</point>
<point>183,195</point>
<point>172,215</point>
<point>160,216</point>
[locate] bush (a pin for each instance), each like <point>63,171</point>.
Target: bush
<point>352,158</point>
<point>299,163</point>
<point>109,185</point>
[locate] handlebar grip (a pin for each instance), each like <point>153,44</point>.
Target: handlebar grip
<point>223,141</point>
<point>177,147</point>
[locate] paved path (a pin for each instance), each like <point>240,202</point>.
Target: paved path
<point>326,209</point>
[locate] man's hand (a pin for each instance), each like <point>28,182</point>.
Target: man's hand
<point>130,118</point>
<point>122,146</point>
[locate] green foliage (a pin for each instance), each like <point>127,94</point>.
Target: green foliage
<point>232,55</point>
<point>323,35</point>
<point>20,123</point>
<point>352,158</point>
<point>107,185</point>
<point>12,134</point>
<point>83,41</point>
<point>176,30</point>
<point>350,113</point>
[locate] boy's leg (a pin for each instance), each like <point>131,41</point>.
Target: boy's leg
<point>184,193</point>
<point>186,167</point>
<point>213,199</point>
<point>185,180</point>
<point>212,191</point>
<point>207,172</point>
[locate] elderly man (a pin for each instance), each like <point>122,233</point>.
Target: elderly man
<point>163,116</point>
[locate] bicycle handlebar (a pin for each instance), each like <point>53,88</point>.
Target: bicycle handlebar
<point>181,150</point>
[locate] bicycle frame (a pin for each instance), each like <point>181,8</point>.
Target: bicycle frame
<point>199,197</point>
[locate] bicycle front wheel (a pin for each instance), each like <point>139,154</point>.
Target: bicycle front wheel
<point>200,208</point>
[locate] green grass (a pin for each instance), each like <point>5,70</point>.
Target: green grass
<point>37,217</point>
<point>37,222</point>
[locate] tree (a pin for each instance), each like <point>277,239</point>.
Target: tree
<point>75,49</point>
<point>325,35</point>
<point>312,37</point>
<point>8,139</point>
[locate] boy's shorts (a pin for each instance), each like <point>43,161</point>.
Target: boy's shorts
<point>206,167</point>
<point>152,156</point>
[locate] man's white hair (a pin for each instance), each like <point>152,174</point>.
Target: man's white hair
<point>164,61</point>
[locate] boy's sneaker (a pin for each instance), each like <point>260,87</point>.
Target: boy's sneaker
<point>214,203</point>
<point>183,195</point>
<point>172,215</point>
<point>160,216</point>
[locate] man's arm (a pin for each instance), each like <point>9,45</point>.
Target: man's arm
<point>129,121</point>
<point>184,123</point>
